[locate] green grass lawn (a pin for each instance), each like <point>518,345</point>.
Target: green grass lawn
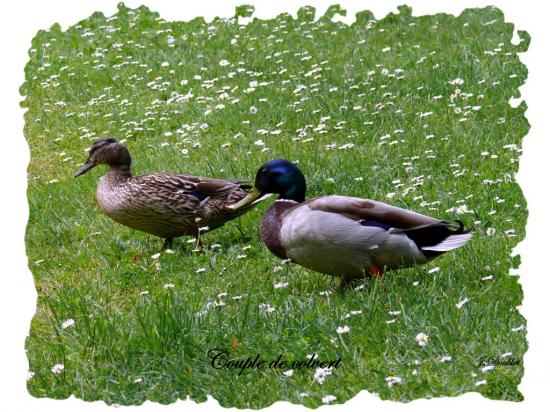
<point>408,110</point>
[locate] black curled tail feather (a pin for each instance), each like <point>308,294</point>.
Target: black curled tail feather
<point>461,227</point>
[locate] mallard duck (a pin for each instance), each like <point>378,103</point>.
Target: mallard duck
<point>167,205</point>
<point>345,236</point>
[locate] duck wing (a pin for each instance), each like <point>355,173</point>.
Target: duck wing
<point>181,194</point>
<point>432,236</point>
<point>180,184</point>
<point>229,191</point>
<point>370,210</point>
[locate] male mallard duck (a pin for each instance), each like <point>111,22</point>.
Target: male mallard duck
<point>167,205</point>
<point>345,236</point>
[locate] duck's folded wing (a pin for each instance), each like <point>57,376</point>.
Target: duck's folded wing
<point>180,183</point>
<point>371,210</point>
<point>214,187</point>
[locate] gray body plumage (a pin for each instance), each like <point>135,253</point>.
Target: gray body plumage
<point>329,235</point>
<point>341,235</point>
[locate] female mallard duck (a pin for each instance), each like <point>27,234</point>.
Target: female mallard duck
<point>167,205</point>
<point>345,236</point>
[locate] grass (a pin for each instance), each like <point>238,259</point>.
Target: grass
<point>408,110</point>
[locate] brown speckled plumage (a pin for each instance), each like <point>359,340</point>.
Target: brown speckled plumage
<point>167,205</point>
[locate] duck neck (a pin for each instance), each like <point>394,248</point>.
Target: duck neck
<point>119,173</point>
<point>296,192</point>
<point>270,228</point>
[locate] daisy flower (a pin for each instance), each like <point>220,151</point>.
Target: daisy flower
<point>422,339</point>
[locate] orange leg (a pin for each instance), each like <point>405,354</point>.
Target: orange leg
<point>375,272</point>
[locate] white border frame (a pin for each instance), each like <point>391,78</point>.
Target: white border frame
<point>23,18</point>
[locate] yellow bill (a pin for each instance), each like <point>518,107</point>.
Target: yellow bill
<point>247,200</point>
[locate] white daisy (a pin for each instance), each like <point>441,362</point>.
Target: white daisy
<point>487,368</point>
<point>58,368</point>
<point>422,339</point>
<point>392,380</point>
<point>266,308</point>
<point>68,323</point>
<point>328,399</point>
<point>462,303</point>
<point>321,373</point>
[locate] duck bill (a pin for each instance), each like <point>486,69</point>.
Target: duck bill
<point>245,201</point>
<point>84,168</point>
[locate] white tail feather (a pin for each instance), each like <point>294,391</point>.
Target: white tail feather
<point>451,242</point>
